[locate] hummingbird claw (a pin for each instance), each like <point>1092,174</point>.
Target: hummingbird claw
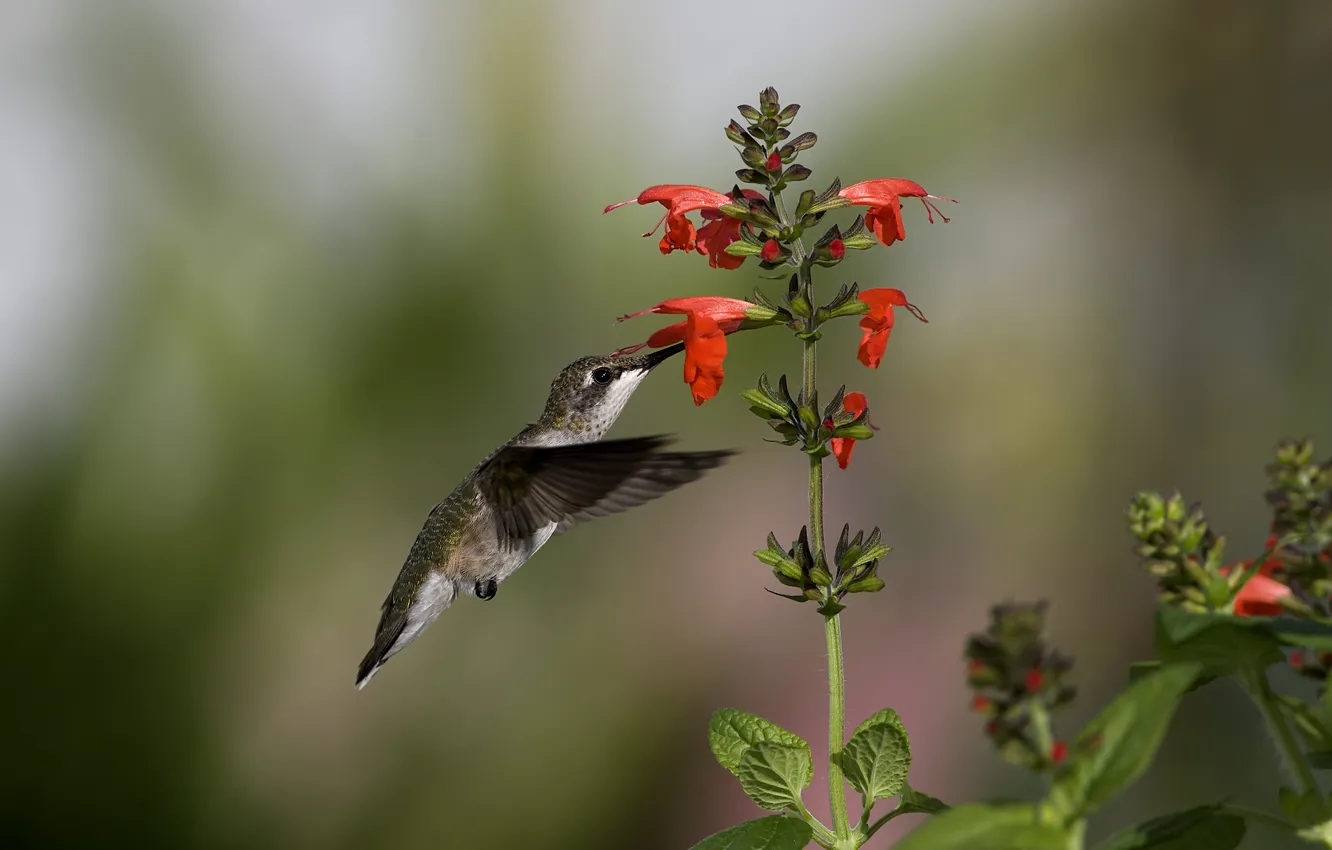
<point>486,589</point>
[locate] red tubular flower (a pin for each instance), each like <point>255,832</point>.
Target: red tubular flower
<point>841,446</point>
<point>837,248</point>
<point>705,349</point>
<point>877,324</point>
<point>884,198</point>
<point>771,249</point>
<point>708,320</point>
<point>1261,595</point>
<point>1035,680</point>
<point>680,235</point>
<point>774,162</point>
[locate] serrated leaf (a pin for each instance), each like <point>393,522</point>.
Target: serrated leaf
<point>876,760</point>
<point>1120,742</point>
<point>1199,828</point>
<point>978,826</point>
<point>883,715</point>
<point>731,732</point>
<point>772,774</point>
<point>775,832</point>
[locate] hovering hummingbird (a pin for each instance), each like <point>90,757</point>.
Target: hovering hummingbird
<point>553,474</point>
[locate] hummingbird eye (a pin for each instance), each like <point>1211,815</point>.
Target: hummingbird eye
<point>602,376</point>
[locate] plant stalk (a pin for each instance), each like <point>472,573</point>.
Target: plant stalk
<point>1260,690</point>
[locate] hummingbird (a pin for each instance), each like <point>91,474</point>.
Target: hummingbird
<point>554,474</point>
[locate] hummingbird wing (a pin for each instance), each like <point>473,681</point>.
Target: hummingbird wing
<point>531,487</point>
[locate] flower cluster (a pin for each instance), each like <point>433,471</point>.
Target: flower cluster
<point>856,560</point>
<point>1017,681</point>
<point>742,223</point>
<point>1293,575</point>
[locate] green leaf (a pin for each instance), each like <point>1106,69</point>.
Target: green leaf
<point>1220,642</point>
<point>1302,809</point>
<point>776,832</point>
<point>916,802</point>
<point>731,732</point>
<point>772,774</point>
<point>1199,828</point>
<point>883,715</point>
<point>984,827</point>
<point>1120,742</point>
<point>1320,759</point>
<point>877,758</point>
<point>1312,634</point>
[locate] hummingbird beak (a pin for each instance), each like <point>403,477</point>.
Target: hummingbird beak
<point>657,357</point>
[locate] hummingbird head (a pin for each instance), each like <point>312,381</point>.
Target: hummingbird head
<point>587,397</point>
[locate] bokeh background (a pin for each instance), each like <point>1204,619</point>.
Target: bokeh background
<point>273,276</point>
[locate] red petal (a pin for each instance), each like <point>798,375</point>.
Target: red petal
<point>841,448</point>
<point>705,349</point>
<point>1260,597</point>
<point>876,193</point>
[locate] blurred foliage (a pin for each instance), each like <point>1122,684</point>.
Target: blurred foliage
<point>287,353</point>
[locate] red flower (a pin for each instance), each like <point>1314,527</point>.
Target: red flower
<point>841,446</point>
<point>1058,752</point>
<point>708,320</point>
<point>1261,595</point>
<point>1034,681</point>
<point>770,251</point>
<point>877,324</point>
<point>720,231</point>
<point>711,238</point>
<point>884,198</point>
<point>705,349</point>
<point>980,704</point>
<point>774,162</point>
<point>837,248</point>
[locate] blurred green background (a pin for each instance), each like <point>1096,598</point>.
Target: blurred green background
<point>275,275</point>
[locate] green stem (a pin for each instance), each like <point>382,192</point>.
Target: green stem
<point>836,727</point>
<point>1261,691</point>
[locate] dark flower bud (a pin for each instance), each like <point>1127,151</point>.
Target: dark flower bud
<point>768,101</point>
<point>787,115</point>
<point>749,113</point>
<point>739,134</point>
<point>796,173</point>
<point>753,156</point>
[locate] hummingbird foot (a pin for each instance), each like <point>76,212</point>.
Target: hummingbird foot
<point>486,589</point>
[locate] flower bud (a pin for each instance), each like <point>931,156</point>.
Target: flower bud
<point>774,161</point>
<point>749,113</point>
<point>772,249</point>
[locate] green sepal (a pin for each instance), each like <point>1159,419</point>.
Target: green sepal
<point>854,307</point>
<point>731,732</point>
<point>870,584</point>
<point>820,577</point>
<point>758,399</point>
<point>741,248</point>
<point>750,175</point>
<point>859,242</point>
<point>854,432</point>
<point>802,205</point>
<point>775,832</point>
<point>749,113</point>
<point>873,552</point>
<point>788,114</point>
<point>769,557</point>
<point>768,101</point>
<point>796,173</point>
<point>818,207</point>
